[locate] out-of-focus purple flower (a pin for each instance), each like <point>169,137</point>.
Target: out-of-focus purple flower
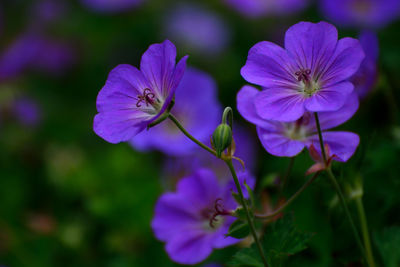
<point>197,29</point>
<point>111,6</point>
<point>196,107</point>
<point>34,51</point>
<point>257,8</point>
<point>290,138</point>
<point>361,13</point>
<point>310,74</point>
<point>195,219</point>
<point>366,77</point>
<point>131,99</point>
<point>46,11</point>
<point>26,111</point>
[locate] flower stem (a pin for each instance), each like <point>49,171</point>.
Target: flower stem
<point>346,209</point>
<point>183,130</point>
<point>321,142</point>
<point>235,178</point>
<point>365,232</point>
<point>248,215</point>
<point>335,184</point>
<point>290,200</point>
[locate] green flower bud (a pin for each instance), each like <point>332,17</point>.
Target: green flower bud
<point>222,138</point>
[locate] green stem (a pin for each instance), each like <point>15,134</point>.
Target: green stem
<point>183,130</point>
<point>335,184</point>
<point>365,232</point>
<point>235,178</point>
<point>248,215</point>
<point>321,142</point>
<point>290,200</point>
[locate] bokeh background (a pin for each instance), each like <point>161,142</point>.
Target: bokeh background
<point>68,198</point>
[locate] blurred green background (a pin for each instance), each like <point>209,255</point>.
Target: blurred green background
<point>68,198</point>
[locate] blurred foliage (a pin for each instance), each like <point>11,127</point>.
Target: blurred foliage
<point>68,198</point>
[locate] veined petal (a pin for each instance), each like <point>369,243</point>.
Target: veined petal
<point>332,119</point>
<point>344,63</point>
<point>269,65</point>
<point>246,107</point>
<point>329,98</point>
<point>280,104</point>
<point>341,144</point>
<point>311,44</point>
<point>190,247</point>
<point>157,65</point>
<point>120,125</point>
<point>278,144</point>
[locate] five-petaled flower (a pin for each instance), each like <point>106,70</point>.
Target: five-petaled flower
<point>133,99</point>
<point>195,219</point>
<point>290,138</point>
<point>310,74</point>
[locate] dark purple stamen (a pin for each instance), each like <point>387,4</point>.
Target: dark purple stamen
<point>147,97</point>
<point>219,210</point>
<point>303,75</point>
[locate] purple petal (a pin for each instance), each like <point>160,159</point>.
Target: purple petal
<point>341,144</point>
<point>280,104</point>
<point>311,45</point>
<point>269,65</point>
<point>245,105</point>
<point>158,66</point>
<point>370,44</point>
<point>220,238</point>
<point>190,247</point>
<point>329,98</point>
<point>278,144</point>
<point>172,214</point>
<point>332,119</point>
<point>201,188</point>
<point>344,63</point>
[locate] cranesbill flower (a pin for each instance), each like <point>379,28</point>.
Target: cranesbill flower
<point>199,121</point>
<point>310,74</point>
<point>257,8</point>
<point>361,13</point>
<point>111,6</point>
<point>131,99</point>
<point>211,34</point>
<point>289,138</point>
<point>367,75</point>
<point>195,219</point>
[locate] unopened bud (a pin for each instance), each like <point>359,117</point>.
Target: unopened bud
<point>222,138</point>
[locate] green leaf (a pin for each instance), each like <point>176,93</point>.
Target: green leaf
<point>247,257</point>
<point>388,243</point>
<point>236,196</point>
<point>282,239</point>
<point>251,195</point>
<point>239,229</point>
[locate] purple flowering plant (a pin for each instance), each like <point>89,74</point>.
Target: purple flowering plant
<point>306,91</point>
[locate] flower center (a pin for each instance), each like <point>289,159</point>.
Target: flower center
<point>361,7</point>
<point>307,86</point>
<point>147,98</point>
<point>215,216</point>
<point>296,130</point>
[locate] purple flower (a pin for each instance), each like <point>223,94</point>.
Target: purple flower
<point>196,107</point>
<point>131,99</point>
<point>34,51</point>
<point>310,74</point>
<point>47,11</point>
<point>195,219</point>
<point>111,6</point>
<point>361,13</point>
<point>366,77</point>
<point>290,138</point>
<point>257,8</point>
<point>210,36</point>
